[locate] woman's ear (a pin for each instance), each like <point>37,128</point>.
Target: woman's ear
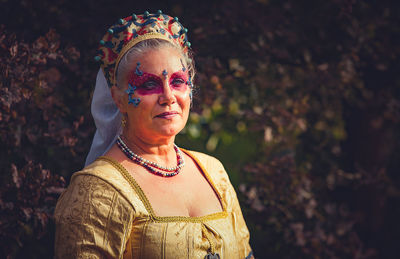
<point>118,97</point>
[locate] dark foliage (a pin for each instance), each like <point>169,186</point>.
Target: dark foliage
<point>35,128</point>
<point>299,99</point>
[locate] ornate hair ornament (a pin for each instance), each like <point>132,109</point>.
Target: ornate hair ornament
<point>133,29</point>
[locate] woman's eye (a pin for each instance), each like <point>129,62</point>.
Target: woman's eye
<point>178,81</point>
<point>149,85</point>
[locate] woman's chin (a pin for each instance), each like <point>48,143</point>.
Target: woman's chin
<point>169,127</point>
<point>169,130</point>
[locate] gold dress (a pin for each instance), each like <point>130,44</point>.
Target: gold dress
<point>105,214</point>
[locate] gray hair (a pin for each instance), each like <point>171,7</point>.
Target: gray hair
<point>142,47</point>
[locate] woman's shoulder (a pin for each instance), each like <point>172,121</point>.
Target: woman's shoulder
<point>85,190</point>
<point>102,168</point>
<point>92,216</point>
<point>102,176</point>
<point>105,171</point>
<point>204,159</point>
<point>210,166</point>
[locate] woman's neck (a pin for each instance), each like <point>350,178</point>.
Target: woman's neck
<point>157,150</point>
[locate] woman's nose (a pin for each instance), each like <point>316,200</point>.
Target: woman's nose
<point>167,97</point>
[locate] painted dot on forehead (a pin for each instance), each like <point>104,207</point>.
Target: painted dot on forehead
<point>183,66</point>
<point>138,71</point>
<point>165,73</point>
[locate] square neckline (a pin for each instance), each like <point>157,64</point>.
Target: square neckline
<point>132,182</point>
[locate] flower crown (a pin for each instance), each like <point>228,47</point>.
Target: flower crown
<point>131,30</point>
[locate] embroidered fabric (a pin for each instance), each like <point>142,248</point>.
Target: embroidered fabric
<point>107,118</point>
<point>105,213</point>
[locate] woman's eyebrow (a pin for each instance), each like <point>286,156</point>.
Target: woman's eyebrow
<point>134,78</point>
<point>179,73</point>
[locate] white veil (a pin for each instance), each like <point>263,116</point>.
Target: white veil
<point>107,118</point>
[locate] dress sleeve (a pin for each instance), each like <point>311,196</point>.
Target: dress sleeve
<point>93,220</point>
<point>228,193</point>
<point>241,230</point>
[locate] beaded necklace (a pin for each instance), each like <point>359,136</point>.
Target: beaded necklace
<point>152,166</point>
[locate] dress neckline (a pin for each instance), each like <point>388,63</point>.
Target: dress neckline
<point>132,182</point>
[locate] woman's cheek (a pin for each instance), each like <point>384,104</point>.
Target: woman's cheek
<point>185,94</point>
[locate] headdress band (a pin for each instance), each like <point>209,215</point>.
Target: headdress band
<point>131,30</point>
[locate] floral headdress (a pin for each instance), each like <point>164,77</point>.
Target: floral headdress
<point>131,30</point>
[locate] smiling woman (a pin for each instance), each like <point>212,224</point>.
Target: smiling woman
<point>141,196</point>
<point>163,90</point>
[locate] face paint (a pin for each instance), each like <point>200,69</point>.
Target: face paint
<point>165,73</point>
<point>178,80</point>
<point>138,71</point>
<point>183,66</point>
<point>130,91</point>
<point>134,101</point>
<point>147,84</point>
<point>189,82</point>
<point>151,84</point>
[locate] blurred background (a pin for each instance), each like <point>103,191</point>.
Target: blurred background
<point>300,100</point>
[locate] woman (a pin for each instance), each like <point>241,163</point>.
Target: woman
<point>145,197</point>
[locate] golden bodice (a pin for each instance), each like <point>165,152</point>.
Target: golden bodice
<point>105,214</point>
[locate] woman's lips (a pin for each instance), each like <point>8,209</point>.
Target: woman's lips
<point>167,115</point>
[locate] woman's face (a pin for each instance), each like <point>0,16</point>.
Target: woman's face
<point>159,79</point>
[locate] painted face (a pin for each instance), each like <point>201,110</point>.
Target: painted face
<point>163,88</point>
<point>148,83</point>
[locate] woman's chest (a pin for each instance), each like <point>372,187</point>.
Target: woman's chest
<point>189,197</point>
<point>181,238</point>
